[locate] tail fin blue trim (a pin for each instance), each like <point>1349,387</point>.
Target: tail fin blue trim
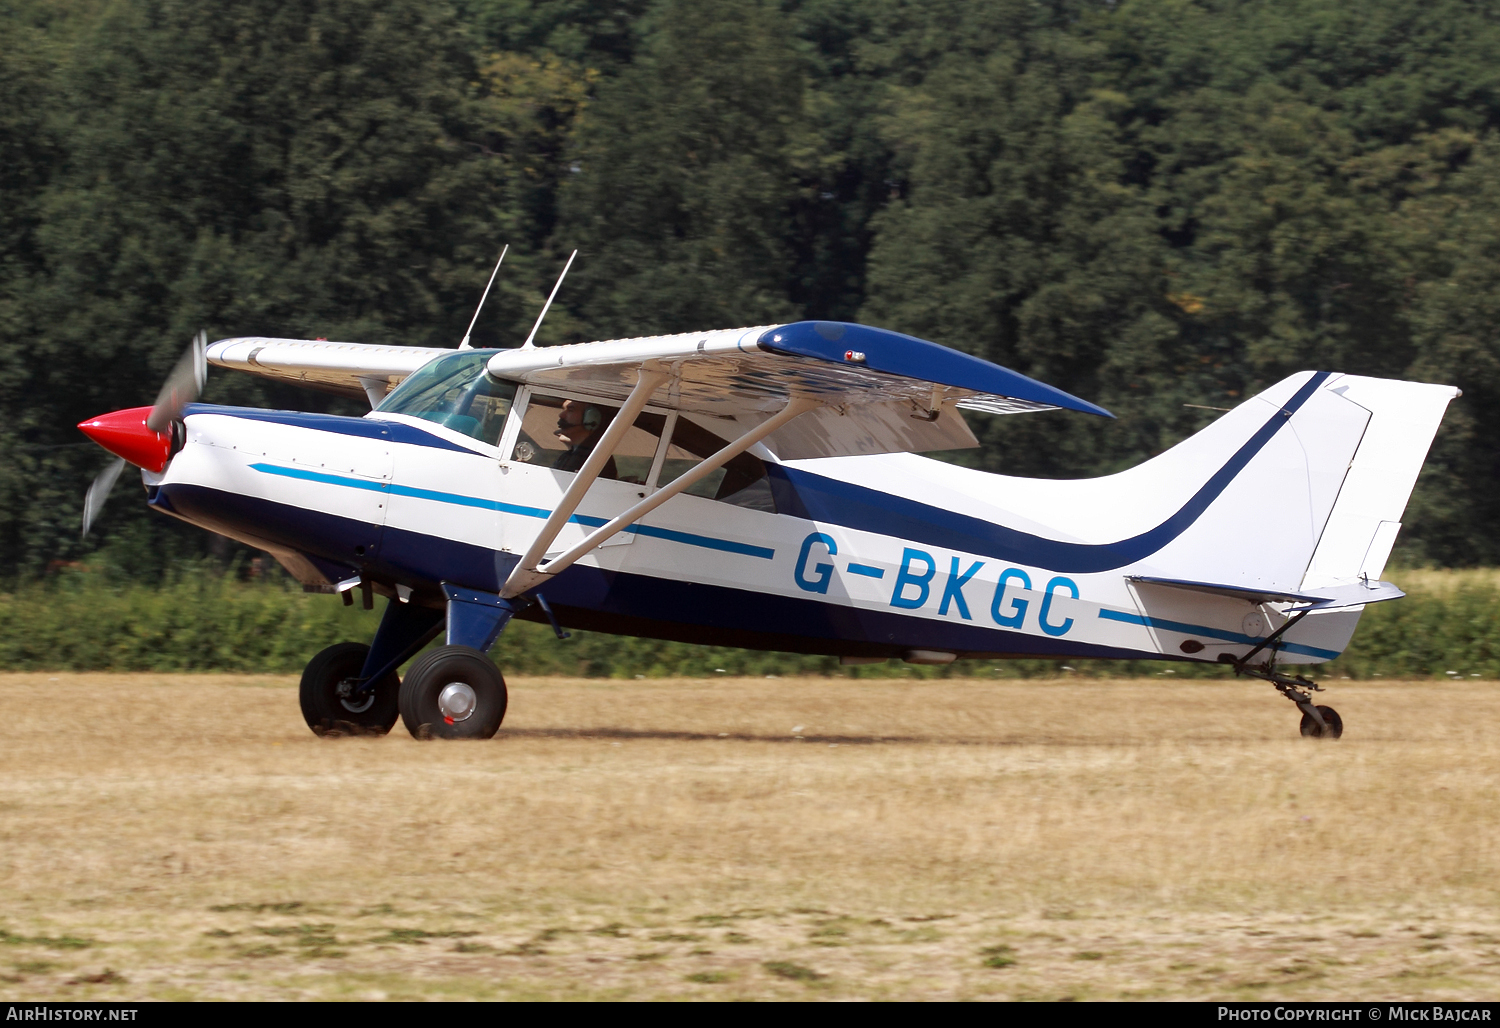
<point>816,498</point>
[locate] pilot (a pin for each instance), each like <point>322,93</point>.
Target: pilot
<point>578,425</point>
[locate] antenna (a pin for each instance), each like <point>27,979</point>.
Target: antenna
<point>465,344</point>
<point>528,343</point>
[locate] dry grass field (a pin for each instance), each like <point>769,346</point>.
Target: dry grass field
<point>185,837</point>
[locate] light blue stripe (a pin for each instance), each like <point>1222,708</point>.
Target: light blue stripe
<point>1212,633</point>
<point>705,541</point>
<point>471,501</point>
<point>458,499</point>
<point>866,570</point>
<point>319,476</point>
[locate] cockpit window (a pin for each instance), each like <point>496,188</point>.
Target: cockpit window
<point>559,433</point>
<point>742,481</point>
<point>457,392</point>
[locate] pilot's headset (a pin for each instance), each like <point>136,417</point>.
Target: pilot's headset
<point>592,417</point>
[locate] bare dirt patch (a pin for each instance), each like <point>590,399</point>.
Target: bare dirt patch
<point>167,836</point>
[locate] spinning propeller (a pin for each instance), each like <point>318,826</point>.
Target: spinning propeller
<point>143,435</point>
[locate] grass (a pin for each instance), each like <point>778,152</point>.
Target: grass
<point>185,837</point>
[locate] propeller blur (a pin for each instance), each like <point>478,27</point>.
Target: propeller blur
<point>143,436</point>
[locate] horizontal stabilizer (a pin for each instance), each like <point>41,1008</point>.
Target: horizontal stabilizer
<point>1331,598</point>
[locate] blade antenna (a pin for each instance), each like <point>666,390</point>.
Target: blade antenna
<point>548,305</point>
<point>465,344</point>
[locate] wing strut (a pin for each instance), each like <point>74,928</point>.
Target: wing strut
<point>604,449</point>
<point>528,575</point>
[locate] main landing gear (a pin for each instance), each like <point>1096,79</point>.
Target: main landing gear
<point>453,692</point>
<point>334,703</point>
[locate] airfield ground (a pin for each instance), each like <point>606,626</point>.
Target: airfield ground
<point>185,837</point>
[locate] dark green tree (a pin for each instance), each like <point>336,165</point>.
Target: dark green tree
<point>332,168</point>
<point>690,172</point>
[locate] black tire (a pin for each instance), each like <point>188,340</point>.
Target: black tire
<point>1331,718</point>
<point>327,706</point>
<point>423,692</point>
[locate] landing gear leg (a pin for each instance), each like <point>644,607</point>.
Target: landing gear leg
<point>456,691</point>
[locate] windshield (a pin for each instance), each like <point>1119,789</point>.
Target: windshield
<point>456,392</point>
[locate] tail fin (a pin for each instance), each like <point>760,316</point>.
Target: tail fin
<point>1319,470</point>
<point>1311,478</point>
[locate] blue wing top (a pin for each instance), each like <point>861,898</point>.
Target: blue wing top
<point>896,353</point>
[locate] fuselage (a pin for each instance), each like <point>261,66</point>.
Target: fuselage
<point>884,556</point>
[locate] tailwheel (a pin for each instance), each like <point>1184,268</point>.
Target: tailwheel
<point>453,692</point>
<point>1331,728</point>
<point>333,702</point>
<point>1299,690</point>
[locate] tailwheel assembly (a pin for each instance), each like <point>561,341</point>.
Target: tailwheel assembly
<point>1318,721</point>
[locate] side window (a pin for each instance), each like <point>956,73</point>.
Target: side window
<point>560,434</point>
<point>742,481</point>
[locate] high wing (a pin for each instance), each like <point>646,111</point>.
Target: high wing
<point>349,369</point>
<point>876,391</point>
<point>879,391</point>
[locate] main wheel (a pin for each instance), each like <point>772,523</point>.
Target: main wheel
<point>331,702</point>
<point>453,692</point>
<point>1331,718</point>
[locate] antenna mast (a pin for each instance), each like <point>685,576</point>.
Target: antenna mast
<point>465,344</point>
<point>548,305</point>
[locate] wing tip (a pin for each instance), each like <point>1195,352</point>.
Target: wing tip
<point>896,353</point>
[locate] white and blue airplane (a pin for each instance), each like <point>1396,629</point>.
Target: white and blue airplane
<point>758,487</point>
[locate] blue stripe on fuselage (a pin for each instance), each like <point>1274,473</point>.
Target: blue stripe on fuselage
<point>686,538</point>
<point>635,604</point>
<point>1211,633</point>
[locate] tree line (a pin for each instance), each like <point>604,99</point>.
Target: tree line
<point>1149,203</point>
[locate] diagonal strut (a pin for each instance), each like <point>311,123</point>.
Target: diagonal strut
<point>646,385</point>
<point>525,576</point>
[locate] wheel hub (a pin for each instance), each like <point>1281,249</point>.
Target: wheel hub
<point>352,701</point>
<point>456,701</point>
